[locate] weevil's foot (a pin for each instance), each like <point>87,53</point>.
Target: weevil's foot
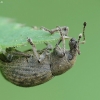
<point>9,57</point>
<point>49,46</point>
<point>50,31</point>
<point>64,30</point>
<point>59,52</point>
<point>30,41</point>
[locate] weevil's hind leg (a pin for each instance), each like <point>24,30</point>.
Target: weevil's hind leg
<point>11,54</point>
<point>6,58</point>
<point>33,47</point>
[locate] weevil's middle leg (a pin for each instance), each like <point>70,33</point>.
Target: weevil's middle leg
<point>33,47</point>
<point>62,39</point>
<point>60,52</point>
<point>46,52</point>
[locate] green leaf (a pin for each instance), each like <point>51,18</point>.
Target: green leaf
<point>15,35</point>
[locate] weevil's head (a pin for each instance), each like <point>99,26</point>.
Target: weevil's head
<point>74,45</point>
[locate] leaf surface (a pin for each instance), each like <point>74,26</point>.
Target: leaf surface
<point>15,35</point>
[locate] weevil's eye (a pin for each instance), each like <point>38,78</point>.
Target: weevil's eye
<point>65,29</point>
<point>72,39</point>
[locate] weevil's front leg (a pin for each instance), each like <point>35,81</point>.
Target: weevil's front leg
<point>51,31</point>
<point>64,30</point>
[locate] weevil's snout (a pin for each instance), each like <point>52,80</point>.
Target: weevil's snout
<point>74,45</point>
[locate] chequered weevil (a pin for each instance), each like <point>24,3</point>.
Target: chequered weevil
<point>26,70</point>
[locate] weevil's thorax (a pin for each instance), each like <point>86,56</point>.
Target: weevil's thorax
<point>59,62</point>
<point>72,55</point>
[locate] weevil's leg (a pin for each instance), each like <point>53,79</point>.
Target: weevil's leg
<point>64,30</point>
<point>20,54</point>
<point>51,31</point>
<point>63,40</point>
<point>9,57</point>
<point>12,53</point>
<point>49,46</point>
<point>6,58</point>
<point>42,57</point>
<point>33,47</point>
<point>60,52</point>
<point>45,53</point>
<point>60,40</point>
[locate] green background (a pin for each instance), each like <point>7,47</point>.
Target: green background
<point>82,82</point>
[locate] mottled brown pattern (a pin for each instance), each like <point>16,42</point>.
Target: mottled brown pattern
<point>27,72</point>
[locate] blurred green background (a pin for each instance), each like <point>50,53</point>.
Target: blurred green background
<point>82,82</point>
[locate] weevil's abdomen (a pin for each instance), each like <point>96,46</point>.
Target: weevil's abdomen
<point>27,72</point>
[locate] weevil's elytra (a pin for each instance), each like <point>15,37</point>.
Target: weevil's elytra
<point>31,73</point>
<point>28,70</point>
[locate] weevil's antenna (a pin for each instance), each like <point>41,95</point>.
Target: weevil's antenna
<point>82,34</point>
<point>84,30</point>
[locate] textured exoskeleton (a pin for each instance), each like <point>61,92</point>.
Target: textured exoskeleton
<point>28,70</point>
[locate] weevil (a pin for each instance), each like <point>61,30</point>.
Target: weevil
<point>31,69</point>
